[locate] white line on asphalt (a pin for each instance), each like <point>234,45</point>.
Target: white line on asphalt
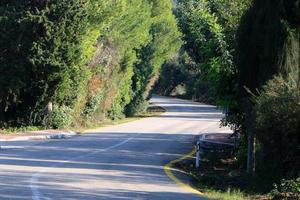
<point>34,181</point>
<point>12,147</point>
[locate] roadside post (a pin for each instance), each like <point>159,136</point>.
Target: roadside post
<point>198,155</point>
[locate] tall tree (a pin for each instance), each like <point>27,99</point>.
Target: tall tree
<point>164,44</point>
<point>268,44</point>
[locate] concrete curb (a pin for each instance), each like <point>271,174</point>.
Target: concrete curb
<point>60,135</point>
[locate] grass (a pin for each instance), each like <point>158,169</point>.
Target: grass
<point>21,129</point>
<point>219,178</point>
<point>228,195</point>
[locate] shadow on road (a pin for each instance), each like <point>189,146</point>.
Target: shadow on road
<point>95,167</point>
<point>65,167</point>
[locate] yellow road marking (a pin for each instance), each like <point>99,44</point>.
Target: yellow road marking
<point>168,170</point>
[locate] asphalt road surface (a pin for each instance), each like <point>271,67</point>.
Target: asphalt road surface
<point>121,162</point>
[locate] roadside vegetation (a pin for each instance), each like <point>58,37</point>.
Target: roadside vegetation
<point>87,63</point>
<point>66,63</point>
<point>151,111</point>
<point>221,178</point>
<point>243,56</point>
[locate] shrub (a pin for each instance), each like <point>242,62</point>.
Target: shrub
<point>138,108</point>
<point>60,117</point>
<point>287,189</point>
<point>277,119</point>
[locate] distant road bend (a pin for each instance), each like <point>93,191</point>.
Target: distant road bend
<point>118,162</point>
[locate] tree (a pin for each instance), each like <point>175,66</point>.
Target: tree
<point>39,56</point>
<point>268,44</point>
<point>209,30</point>
<point>164,44</point>
<point>75,53</point>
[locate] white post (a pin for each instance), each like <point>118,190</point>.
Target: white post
<point>198,155</point>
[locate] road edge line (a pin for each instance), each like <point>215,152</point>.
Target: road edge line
<point>168,171</point>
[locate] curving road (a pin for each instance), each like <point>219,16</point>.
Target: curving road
<point>118,162</point>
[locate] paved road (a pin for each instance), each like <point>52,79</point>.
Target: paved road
<point>119,162</point>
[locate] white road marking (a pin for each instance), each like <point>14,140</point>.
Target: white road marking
<point>34,181</point>
<point>36,184</point>
<point>12,147</point>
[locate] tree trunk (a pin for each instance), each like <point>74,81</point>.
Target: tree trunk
<point>251,153</point>
<point>251,137</point>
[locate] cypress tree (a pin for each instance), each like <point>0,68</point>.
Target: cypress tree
<point>268,42</point>
<point>40,55</point>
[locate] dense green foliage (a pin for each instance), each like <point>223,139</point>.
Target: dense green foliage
<point>268,42</point>
<point>179,72</point>
<point>209,29</point>
<point>85,56</point>
<point>268,45</point>
<point>278,142</point>
<point>165,41</point>
<point>40,56</point>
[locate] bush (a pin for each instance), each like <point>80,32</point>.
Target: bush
<point>60,117</point>
<point>287,189</point>
<point>139,107</point>
<point>277,119</point>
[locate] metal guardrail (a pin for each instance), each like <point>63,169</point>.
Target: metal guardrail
<point>212,146</point>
